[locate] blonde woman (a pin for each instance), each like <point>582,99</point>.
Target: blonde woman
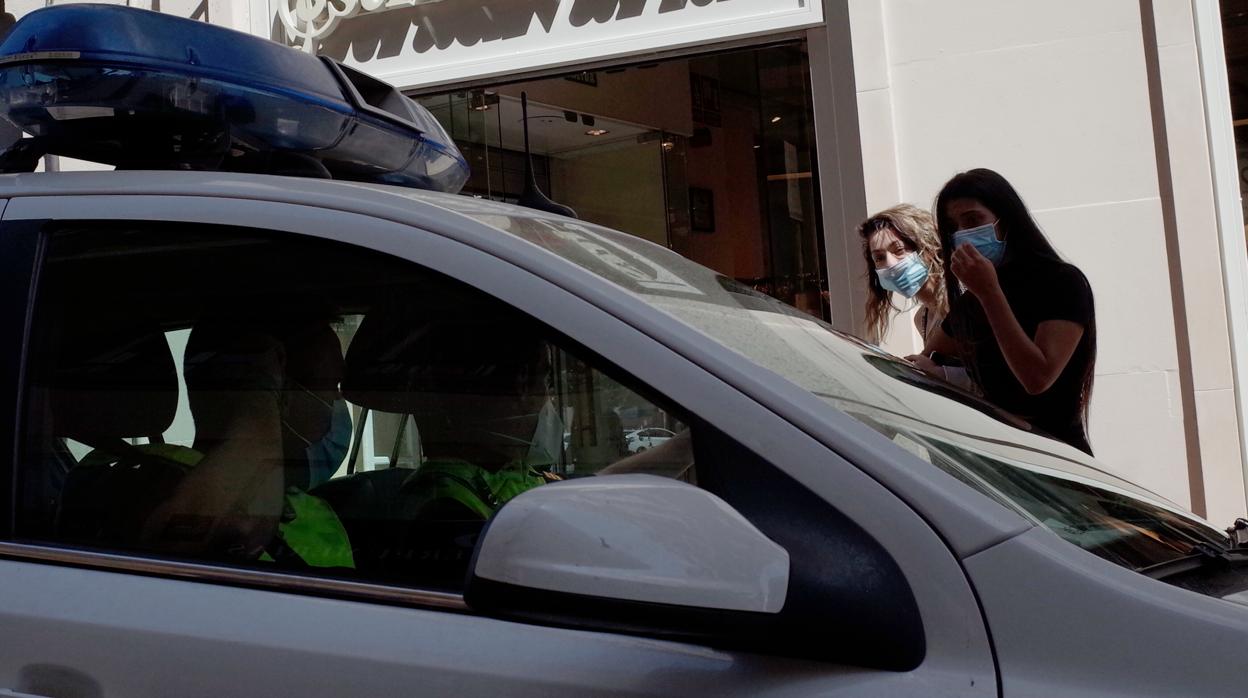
<point>902,249</point>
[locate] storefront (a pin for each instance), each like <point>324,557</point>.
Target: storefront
<point>753,135</point>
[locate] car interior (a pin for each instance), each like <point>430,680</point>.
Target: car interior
<point>457,402</point>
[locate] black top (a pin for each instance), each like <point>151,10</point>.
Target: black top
<point>1036,292</point>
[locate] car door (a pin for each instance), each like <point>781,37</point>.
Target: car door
<point>115,616</point>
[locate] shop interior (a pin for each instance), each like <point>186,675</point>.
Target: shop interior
<point>1235,40</point>
<point>712,156</point>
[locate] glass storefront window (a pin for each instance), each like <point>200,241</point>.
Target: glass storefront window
<point>711,156</point>
<point>1235,40</point>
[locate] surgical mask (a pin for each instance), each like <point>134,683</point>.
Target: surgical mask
<point>984,239</point>
<point>906,277</point>
<point>326,455</point>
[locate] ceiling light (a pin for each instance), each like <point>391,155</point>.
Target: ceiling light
<point>775,119</point>
<point>597,132</point>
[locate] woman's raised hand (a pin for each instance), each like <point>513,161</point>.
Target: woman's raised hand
<point>974,270</point>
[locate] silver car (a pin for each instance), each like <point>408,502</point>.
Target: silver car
<point>639,440</point>
<point>272,436</point>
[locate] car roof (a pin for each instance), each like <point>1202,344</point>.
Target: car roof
<point>297,190</point>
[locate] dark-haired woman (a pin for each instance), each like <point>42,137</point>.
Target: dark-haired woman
<point>1020,318</point>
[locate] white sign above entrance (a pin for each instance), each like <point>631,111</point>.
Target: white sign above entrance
<point>423,43</point>
<point>307,22</point>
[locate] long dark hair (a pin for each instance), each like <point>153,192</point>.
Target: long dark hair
<point>1025,245</point>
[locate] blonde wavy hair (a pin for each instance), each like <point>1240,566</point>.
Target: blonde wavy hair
<point>917,230</point>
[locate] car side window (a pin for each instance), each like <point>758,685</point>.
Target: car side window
<point>278,402</point>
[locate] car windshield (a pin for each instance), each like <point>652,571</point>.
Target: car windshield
<point>1046,481</point>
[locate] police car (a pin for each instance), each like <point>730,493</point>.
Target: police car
<point>287,416</point>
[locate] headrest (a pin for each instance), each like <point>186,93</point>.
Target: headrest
<point>227,347</point>
<point>113,379</point>
<point>401,353</point>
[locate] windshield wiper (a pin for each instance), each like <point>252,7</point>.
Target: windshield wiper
<point>1238,533</point>
<point>1202,556</point>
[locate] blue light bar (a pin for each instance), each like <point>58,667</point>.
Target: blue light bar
<point>143,90</point>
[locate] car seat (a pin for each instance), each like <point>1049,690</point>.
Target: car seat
<point>113,379</point>
<point>405,359</point>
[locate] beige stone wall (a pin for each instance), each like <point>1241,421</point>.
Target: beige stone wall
<point>1056,97</point>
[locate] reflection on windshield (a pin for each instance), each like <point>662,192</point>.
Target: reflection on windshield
<point>905,372</point>
<point>1094,516</point>
<point>805,350</point>
<point>1117,527</point>
<point>1073,496</point>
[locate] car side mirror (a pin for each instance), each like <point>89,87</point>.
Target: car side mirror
<point>631,553</point>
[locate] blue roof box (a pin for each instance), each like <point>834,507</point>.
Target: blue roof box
<point>144,90</point>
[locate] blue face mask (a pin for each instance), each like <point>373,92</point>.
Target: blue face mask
<point>326,455</point>
<point>984,239</point>
<point>905,277</point>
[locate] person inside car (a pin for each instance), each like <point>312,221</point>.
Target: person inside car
<point>478,405</point>
<point>262,387</point>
